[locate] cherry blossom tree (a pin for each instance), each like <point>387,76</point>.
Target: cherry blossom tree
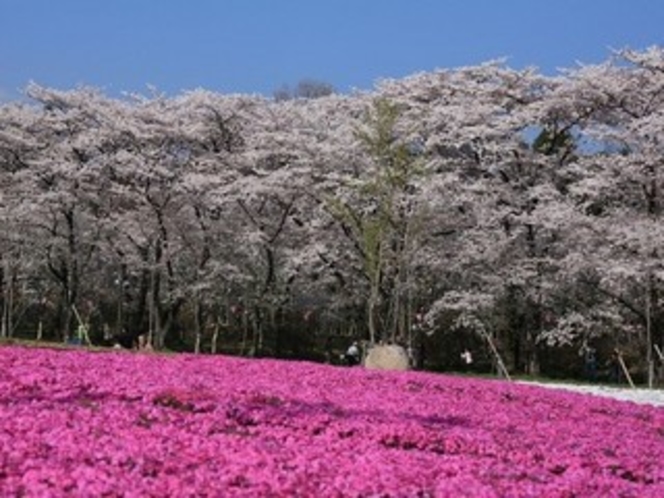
<point>618,187</point>
<point>525,207</point>
<point>59,186</point>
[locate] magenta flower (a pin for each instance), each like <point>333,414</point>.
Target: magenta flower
<point>74,423</point>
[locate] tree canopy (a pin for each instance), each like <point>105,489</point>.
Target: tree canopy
<point>481,199</point>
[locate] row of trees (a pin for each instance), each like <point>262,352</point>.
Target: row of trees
<point>483,200</point>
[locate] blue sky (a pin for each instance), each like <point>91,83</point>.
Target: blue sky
<point>257,46</point>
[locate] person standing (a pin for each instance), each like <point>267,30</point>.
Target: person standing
<point>352,356</point>
<point>590,364</point>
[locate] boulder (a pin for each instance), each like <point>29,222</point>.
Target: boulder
<point>387,357</point>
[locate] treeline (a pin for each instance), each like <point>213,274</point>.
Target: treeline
<point>445,211</point>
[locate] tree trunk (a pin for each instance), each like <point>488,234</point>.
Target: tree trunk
<point>257,333</point>
<point>371,310</point>
<point>7,298</point>
<point>245,332</point>
<point>215,337</point>
<point>198,326</point>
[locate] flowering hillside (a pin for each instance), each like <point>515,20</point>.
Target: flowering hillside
<point>77,423</point>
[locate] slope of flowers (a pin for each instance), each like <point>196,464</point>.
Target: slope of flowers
<point>75,423</point>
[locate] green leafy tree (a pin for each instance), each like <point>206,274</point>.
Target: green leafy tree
<point>379,213</point>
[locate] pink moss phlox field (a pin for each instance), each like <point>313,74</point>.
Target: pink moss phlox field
<point>76,423</point>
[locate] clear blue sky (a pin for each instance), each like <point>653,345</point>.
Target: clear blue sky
<point>256,46</point>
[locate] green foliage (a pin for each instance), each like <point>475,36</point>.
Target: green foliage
<point>378,215</point>
<point>551,142</point>
<point>396,165</point>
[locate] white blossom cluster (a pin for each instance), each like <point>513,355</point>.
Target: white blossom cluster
<point>471,192</point>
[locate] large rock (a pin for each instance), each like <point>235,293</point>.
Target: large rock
<point>387,357</point>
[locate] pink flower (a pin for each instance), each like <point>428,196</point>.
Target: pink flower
<point>83,424</point>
